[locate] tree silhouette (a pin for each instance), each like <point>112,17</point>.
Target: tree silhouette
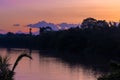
<point>5,72</point>
<point>113,24</point>
<point>102,24</point>
<point>44,29</point>
<point>30,31</point>
<point>88,23</point>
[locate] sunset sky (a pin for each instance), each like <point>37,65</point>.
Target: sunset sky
<point>16,14</point>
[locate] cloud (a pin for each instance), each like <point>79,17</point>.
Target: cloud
<point>2,31</point>
<point>43,24</point>
<point>19,32</point>
<point>36,33</point>
<point>66,25</point>
<point>16,24</point>
<point>55,27</point>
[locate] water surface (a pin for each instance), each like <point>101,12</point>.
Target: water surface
<point>46,68</point>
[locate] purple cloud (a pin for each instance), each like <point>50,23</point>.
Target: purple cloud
<point>55,27</point>
<point>43,24</point>
<point>2,31</point>
<point>19,32</point>
<point>16,24</point>
<point>66,25</point>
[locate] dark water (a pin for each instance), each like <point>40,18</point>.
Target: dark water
<point>46,68</point>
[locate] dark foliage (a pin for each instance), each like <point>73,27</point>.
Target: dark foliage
<point>5,72</point>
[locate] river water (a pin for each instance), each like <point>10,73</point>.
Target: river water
<point>46,68</point>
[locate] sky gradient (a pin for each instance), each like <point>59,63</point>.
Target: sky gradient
<point>24,12</point>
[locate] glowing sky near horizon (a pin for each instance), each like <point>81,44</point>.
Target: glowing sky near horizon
<point>25,12</point>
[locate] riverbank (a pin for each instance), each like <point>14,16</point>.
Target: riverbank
<point>71,45</point>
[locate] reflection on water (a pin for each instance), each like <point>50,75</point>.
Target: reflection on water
<point>46,68</point>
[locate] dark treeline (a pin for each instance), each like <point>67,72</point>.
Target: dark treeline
<point>97,37</point>
<point>94,37</point>
<point>87,40</point>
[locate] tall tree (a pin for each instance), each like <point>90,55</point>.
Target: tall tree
<point>88,23</point>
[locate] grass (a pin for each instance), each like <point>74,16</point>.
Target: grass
<point>5,72</point>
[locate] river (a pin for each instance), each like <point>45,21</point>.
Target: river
<point>46,68</point>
